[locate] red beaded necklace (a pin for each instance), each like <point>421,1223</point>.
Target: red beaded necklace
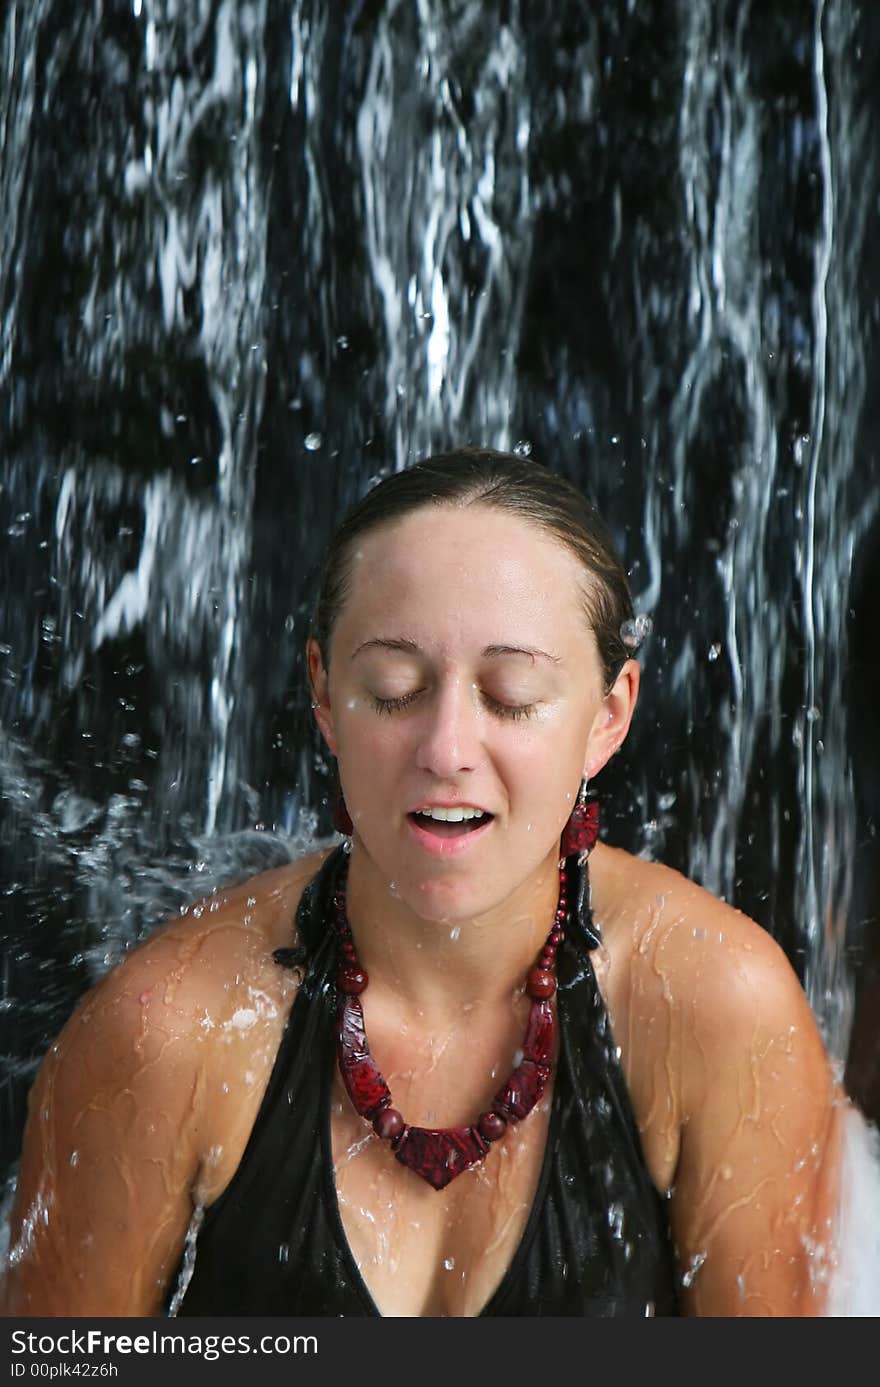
<point>438,1155</point>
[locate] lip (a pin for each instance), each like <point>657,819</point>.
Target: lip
<point>446,847</point>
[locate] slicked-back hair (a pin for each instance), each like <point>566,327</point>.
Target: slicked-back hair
<point>505,482</point>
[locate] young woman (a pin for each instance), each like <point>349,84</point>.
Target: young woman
<point>471,1061</point>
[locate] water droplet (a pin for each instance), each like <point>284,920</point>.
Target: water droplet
<point>813,714</point>
<point>243,1018</point>
<point>73,811</point>
<point>523,448</point>
<point>455,932</point>
<point>313,442</point>
<point>74,1157</point>
<point>449,1263</point>
<point>714,651</point>
<point>634,632</point>
<point>690,1272</point>
<point>615,1220</point>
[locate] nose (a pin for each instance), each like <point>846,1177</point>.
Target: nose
<point>449,735</point>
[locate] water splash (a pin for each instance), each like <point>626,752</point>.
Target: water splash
<point>189,1260</point>
<point>279,229</point>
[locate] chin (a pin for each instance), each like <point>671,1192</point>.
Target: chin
<point>451,890</point>
<point>446,902</point>
<point>441,896</point>
<point>455,899</point>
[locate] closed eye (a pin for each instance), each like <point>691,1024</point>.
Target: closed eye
<point>394,705</point>
<point>509,710</point>
<point>502,710</point>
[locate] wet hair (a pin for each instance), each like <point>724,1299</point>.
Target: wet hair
<point>506,482</point>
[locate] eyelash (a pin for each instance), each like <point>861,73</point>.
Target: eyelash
<point>504,710</point>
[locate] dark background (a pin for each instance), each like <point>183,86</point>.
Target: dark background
<point>254,256</point>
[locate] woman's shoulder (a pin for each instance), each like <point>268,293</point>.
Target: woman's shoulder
<point>704,1004</point>
<point>197,969</point>
<point>151,1089</point>
<point>201,995</point>
<point>669,932</point>
<point>203,976</point>
<point>255,914</point>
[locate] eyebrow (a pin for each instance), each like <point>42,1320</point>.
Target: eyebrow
<point>531,651</point>
<point>490,652</point>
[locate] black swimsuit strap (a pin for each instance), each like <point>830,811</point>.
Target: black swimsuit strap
<point>313,916</point>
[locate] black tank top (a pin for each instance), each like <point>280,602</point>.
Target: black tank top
<point>596,1242</point>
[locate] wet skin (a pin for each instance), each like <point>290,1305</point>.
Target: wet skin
<point>144,1106</point>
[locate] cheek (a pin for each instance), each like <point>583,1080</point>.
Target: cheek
<point>535,751</point>
<point>367,739</point>
<point>547,773</point>
<point>549,766</point>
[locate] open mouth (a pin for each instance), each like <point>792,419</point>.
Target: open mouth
<point>430,822</point>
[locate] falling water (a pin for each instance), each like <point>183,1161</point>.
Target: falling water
<point>254,255</point>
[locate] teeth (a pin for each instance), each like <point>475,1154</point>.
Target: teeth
<point>452,816</point>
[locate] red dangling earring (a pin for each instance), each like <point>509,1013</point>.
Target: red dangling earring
<point>582,828</point>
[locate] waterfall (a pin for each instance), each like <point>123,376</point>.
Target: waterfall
<point>255,255</point>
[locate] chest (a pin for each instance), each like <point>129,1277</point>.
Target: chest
<point>532,1225</point>
<point>426,1252</point>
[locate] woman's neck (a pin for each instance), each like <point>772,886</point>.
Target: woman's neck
<point>438,966</point>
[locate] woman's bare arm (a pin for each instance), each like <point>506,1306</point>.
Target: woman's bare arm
<point>143,1105</point>
<point>111,1153</point>
<point>755,1189</point>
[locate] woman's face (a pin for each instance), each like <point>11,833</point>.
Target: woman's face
<point>463,675</point>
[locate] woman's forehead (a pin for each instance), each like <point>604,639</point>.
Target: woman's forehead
<point>478,569</point>
<point>478,538</point>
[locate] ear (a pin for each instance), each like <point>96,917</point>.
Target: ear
<point>612,721</point>
<point>320,685</point>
